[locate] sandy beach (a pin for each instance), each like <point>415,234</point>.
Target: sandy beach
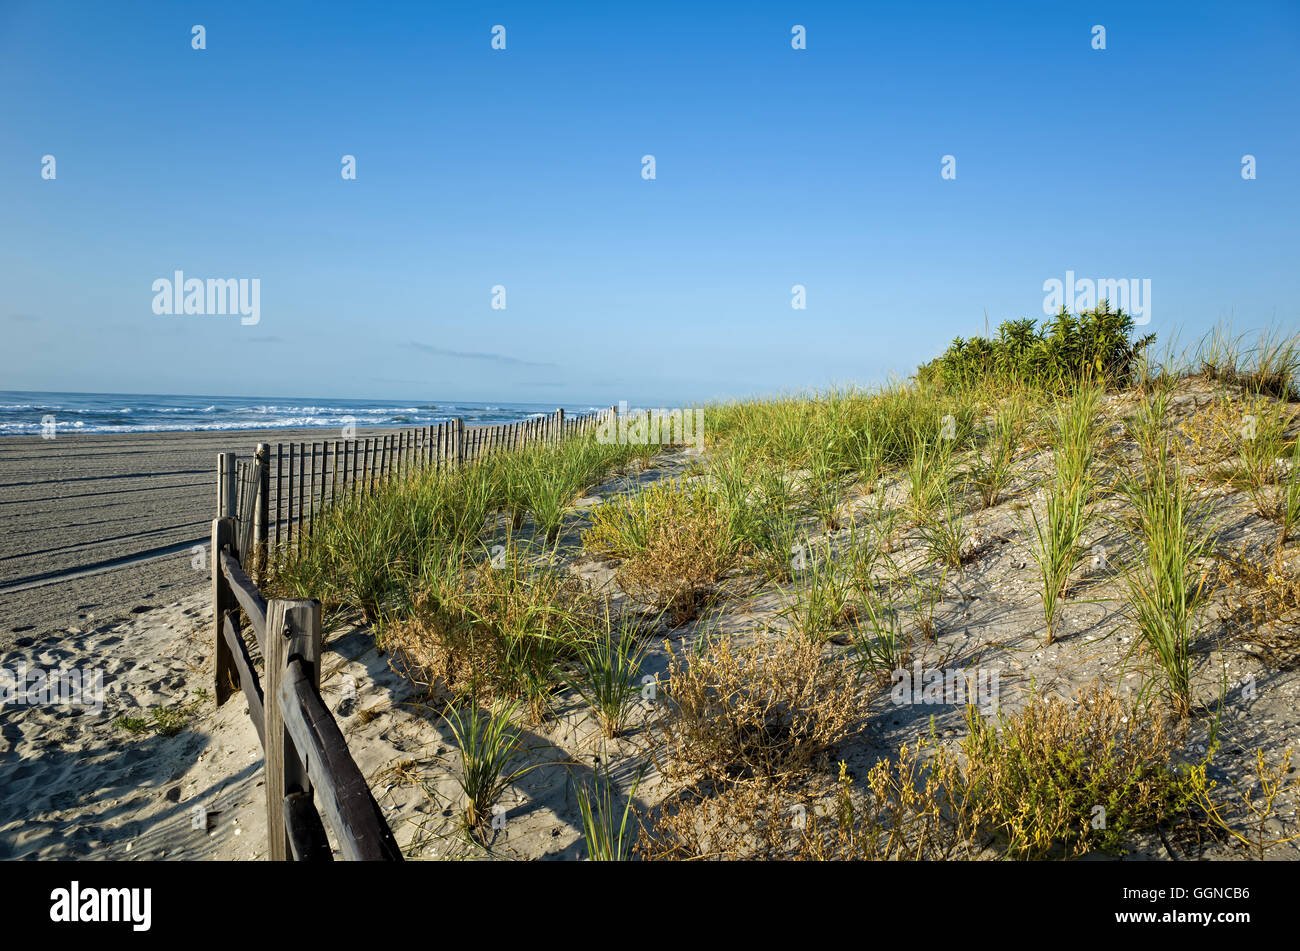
<point>96,570</point>
<point>99,527</point>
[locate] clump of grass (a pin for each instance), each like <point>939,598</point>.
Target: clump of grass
<point>1148,426</point>
<point>604,826</point>
<point>369,549</point>
<point>1276,365</point>
<point>863,454</point>
<point>853,430</point>
<point>945,533</point>
<point>923,594</point>
<point>163,720</point>
<point>881,643</point>
<point>352,556</point>
<point>1218,354</point>
<point>885,525</point>
<point>500,628</point>
<point>675,542</point>
<point>821,602</point>
<point>608,674</point>
<point>1262,443</point>
<point>760,507</point>
<point>1056,537</point>
<point>825,488</point>
<point>490,750</point>
<point>1269,368</point>
<point>993,467</point>
<point>1165,588</point>
<point>929,474</point>
<point>779,549</point>
<point>545,490</point>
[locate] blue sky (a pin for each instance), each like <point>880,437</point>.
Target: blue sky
<point>522,168</point>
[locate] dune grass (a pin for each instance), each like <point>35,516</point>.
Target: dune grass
<point>491,752</point>
<point>604,826</point>
<point>1165,583</point>
<point>1068,497</point>
<point>608,667</point>
<point>993,467</point>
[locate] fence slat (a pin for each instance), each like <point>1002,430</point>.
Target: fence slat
<point>311,493</point>
<point>279,489</point>
<point>347,449</point>
<point>226,485</point>
<point>223,530</point>
<point>358,450</point>
<point>288,528</point>
<point>262,511</point>
<point>334,479</point>
<point>302,478</point>
<point>324,470</point>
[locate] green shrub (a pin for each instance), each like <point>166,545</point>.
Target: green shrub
<point>1095,345</point>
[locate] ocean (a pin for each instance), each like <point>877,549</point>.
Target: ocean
<point>24,413</point>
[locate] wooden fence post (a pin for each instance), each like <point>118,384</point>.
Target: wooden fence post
<point>559,425</point>
<point>262,513</point>
<point>223,601</point>
<point>460,442</point>
<point>292,630</point>
<point>226,492</point>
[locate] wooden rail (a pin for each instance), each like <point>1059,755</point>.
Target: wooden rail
<point>341,789</point>
<point>307,758</point>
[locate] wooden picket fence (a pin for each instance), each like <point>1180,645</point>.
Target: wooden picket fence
<point>307,759</point>
<point>297,481</point>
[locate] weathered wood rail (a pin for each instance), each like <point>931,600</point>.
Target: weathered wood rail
<point>307,759</point>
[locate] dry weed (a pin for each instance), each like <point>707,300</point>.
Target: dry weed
<point>675,542</point>
<point>1262,606</point>
<point>909,810</point>
<point>769,710</point>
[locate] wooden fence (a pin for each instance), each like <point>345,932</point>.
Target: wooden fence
<point>307,758</point>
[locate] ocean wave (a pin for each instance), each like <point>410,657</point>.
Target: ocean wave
<point>143,413</point>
